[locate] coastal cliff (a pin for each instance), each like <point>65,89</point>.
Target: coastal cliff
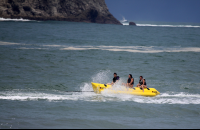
<point>91,11</point>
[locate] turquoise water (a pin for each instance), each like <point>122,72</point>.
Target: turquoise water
<point>41,63</point>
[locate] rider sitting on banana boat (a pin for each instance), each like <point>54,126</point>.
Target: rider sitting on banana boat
<point>142,83</point>
<point>130,81</point>
<point>115,79</point>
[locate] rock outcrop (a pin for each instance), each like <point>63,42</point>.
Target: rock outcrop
<point>132,23</point>
<point>92,11</point>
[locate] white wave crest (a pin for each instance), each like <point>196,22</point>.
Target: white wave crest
<point>137,49</point>
<point>79,48</point>
<point>8,43</point>
<point>154,25</point>
<point>132,49</point>
<point>21,19</point>
<point>125,23</point>
<point>25,48</point>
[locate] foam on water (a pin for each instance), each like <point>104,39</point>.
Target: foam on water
<point>125,24</point>
<point>132,49</point>
<point>8,43</point>
<point>37,95</point>
<point>154,25</point>
<point>84,95</point>
<point>78,48</point>
<point>21,19</point>
<point>137,49</point>
<point>26,48</point>
<point>164,98</point>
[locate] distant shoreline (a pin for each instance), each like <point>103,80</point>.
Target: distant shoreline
<point>89,11</point>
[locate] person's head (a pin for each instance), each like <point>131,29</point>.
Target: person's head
<point>130,76</point>
<point>141,77</point>
<point>115,74</point>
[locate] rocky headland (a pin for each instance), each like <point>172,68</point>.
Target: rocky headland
<point>91,11</point>
<point>132,23</point>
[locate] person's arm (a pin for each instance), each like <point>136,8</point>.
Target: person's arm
<point>131,81</point>
<point>143,82</point>
<point>139,84</point>
<point>112,83</point>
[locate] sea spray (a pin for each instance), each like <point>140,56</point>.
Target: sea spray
<point>103,77</point>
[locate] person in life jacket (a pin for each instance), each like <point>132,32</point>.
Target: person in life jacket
<point>130,81</point>
<point>115,79</point>
<point>142,83</point>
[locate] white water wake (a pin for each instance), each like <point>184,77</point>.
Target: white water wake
<point>84,95</point>
<point>163,98</point>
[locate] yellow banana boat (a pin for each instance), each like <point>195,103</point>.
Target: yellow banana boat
<point>149,92</point>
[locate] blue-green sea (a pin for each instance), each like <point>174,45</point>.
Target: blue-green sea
<point>46,70</point>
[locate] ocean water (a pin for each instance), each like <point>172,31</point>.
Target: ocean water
<point>42,63</point>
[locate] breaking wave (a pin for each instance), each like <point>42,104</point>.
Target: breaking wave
<point>137,49</point>
<point>9,43</point>
<point>9,19</point>
<point>125,22</point>
<point>132,49</point>
<point>154,25</point>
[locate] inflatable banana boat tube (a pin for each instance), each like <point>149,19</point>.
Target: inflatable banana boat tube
<point>149,92</point>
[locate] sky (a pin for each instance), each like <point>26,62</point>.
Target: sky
<point>156,10</point>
